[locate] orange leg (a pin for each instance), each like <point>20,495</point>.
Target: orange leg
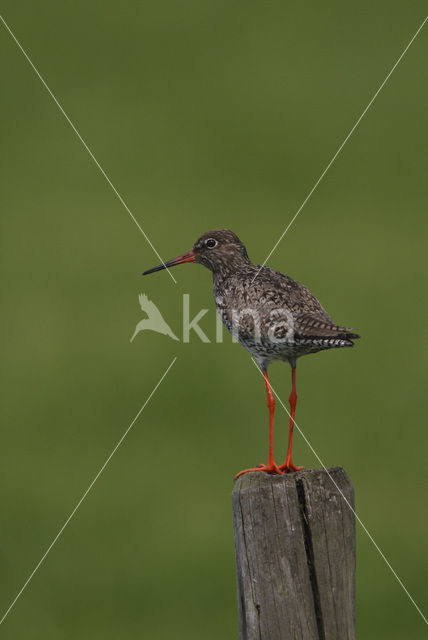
<point>271,466</point>
<point>288,464</point>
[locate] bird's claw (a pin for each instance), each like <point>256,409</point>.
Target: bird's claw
<point>268,468</point>
<point>288,467</point>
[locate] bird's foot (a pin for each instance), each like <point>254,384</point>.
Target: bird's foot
<point>287,467</point>
<point>269,468</point>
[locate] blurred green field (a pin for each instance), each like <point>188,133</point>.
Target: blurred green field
<point>204,115</point>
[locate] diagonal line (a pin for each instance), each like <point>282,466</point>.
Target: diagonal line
<point>349,504</point>
<point>121,200</point>
<point>85,494</point>
<point>341,147</point>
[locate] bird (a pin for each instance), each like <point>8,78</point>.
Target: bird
<point>273,316</point>
<point>155,321</point>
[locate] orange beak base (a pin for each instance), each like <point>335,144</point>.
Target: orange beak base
<point>186,257</point>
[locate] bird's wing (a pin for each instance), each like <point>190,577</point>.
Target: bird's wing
<point>288,303</point>
<point>308,324</point>
<point>310,319</point>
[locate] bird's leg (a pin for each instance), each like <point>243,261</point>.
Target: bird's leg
<point>271,466</point>
<point>288,464</point>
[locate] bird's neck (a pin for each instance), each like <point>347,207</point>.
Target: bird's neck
<point>227,270</point>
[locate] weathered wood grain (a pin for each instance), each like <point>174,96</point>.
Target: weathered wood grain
<point>295,555</point>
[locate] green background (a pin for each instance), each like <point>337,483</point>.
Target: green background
<point>204,115</point>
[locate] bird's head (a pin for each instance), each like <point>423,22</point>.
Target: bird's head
<point>218,250</point>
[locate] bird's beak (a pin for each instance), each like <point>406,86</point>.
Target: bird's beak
<point>186,257</point>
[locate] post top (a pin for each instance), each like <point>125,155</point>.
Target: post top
<point>334,476</point>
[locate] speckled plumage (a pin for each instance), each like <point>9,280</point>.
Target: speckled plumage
<point>271,315</point>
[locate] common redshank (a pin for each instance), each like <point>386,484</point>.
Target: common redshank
<point>270,314</point>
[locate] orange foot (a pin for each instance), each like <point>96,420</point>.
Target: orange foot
<point>269,468</point>
<point>287,467</point>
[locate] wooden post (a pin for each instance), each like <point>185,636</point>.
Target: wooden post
<point>295,555</point>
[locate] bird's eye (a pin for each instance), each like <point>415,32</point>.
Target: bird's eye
<point>211,243</point>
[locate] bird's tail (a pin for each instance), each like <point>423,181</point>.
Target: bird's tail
<point>351,336</point>
<point>346,336</point>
